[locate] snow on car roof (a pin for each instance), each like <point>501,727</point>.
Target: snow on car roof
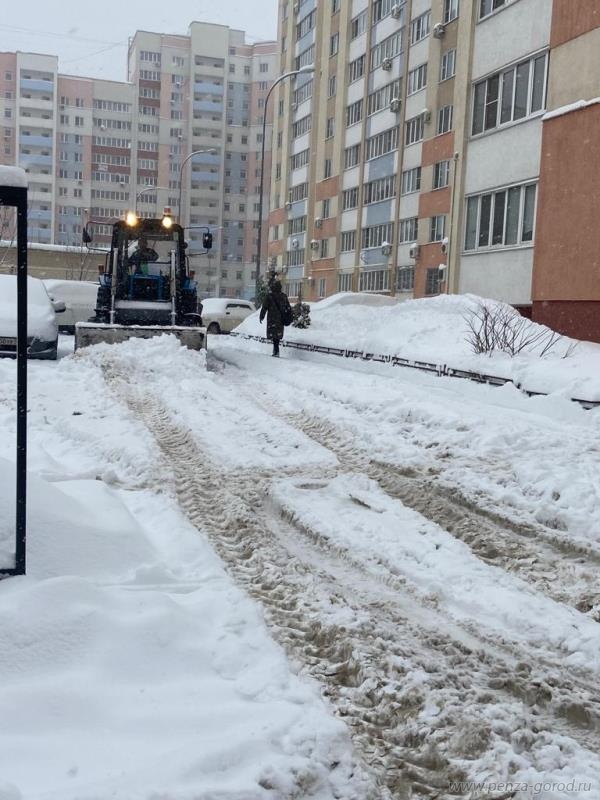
<point>13,176</point>
<point>36,291</point>
<point>216,304</point>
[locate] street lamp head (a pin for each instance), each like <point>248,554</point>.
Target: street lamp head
<point>307,68</point>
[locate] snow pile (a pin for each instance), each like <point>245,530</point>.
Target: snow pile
<point>435,330</point>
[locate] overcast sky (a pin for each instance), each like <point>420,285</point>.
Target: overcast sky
<point>90,39</point>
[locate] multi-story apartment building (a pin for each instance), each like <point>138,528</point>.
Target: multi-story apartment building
<point>410,160</point>
<point>187,125</point>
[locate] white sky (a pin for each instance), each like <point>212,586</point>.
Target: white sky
<point>77,31</point>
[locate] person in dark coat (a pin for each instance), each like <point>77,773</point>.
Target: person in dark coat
<point>276,307</point>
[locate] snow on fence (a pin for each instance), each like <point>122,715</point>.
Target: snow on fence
<point>423,366</point>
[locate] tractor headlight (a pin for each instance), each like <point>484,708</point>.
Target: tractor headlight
<point>131,219</point>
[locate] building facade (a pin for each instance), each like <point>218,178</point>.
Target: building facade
<point>410,161</point>
<point>95,149</point>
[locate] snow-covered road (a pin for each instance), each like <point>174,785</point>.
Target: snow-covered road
<point>425,551</point>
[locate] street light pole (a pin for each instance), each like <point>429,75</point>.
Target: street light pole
<point>281,78</point>
<point>212,151</point>
<point>149,189</point>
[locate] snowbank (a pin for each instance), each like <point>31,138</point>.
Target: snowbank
<point>434,330</point>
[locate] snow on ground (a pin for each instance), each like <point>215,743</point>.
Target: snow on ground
<point>130,665</point>
<point>434,330</point>
<point>352,512</point>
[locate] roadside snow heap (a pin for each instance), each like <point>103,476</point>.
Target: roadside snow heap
<point>437,330</point>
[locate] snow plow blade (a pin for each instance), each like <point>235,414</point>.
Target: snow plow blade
<point>89,333</point>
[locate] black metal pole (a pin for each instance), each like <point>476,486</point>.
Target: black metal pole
<point>21,520</point>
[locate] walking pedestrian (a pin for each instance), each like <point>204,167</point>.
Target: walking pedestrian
<point>278,311</point>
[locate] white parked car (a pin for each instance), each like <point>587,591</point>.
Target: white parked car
<point>223,314</point>
<point>79,298</point>
<point>42,326</point>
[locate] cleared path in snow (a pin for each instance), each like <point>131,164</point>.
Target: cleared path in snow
<point>429,700</point>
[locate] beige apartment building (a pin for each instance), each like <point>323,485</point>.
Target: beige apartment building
<point>94,149</point>
<point>410,161</point>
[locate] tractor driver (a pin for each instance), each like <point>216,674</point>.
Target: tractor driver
<point>142,256</point>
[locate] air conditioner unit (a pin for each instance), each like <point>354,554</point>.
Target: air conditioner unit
<point>314,244</point>
<point>295,244</point>
<point>445,243</point>
<point>395,105</point>
<point>318,222</point>
<point>396,11</point>
<point>439,30</point>
<point>414,251</point>
<point>387,64</point>
<point>442,273</point>
<point>296,8</point>
<point>288,205</point>
<point>426,114</point>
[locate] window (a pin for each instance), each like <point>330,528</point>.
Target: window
<point>502,218</point>
<point>408,230</point>
<point>378,190</point>
<point>432,281</point>
<point>419,27</point>
<point>388,48</point>
<point>345,282</point>
<point>263,67</point>
<point>405,279</point>
<point>348,241</point>
<point>302,126</point>
<point>448,65</point>
<point>323,248</point>
<point>411,180</point>
<point>356,69</point>
<point>297,225</point>
<point>417,79</point>
<point>376,235</point>
<point>441,174</point>
<point>359,24</point>
<point>486,7</point>
<point>351,156</point>
<point>381,144</point>
<point>383,8</point>
<point>380,99</point>
<point>332,86</point>
<point>305,92</point>
<point>350,198</point>
<point>330,127</point>
<point>306,25</point>
<point>450,10</point>
<point>300,159</point>
<point>444,120</point>
<point>294,258</point>
<point>510,95</point>
<point>305,58</point>
<point>335,6</point>
<point>354,113</point>
<point>375,280</point>
<point>325,209</point>
<point>298,193</point>
<point>322,286</point>
<point>414,130</point>
<point>327,168</point>
<point>438,228</point>
<point>334,44</point>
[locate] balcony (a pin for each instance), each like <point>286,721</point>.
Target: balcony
<point>35,140</point>
<point>37,85</point>
<point>208,88</point>
<point>208,106</point>
<point>39,216</point>
<point>34,159</point>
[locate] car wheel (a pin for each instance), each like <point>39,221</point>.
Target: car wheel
<point>214,327</point>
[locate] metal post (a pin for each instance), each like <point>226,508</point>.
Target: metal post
<point>183,163</point>
<point>21,516</point>
<point>281,78</point>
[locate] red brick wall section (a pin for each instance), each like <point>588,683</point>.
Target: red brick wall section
<point>567,252</point>
<point>581,320</point>
<point>572,18</point>
<point>440,148</point>
<point>327,188</point>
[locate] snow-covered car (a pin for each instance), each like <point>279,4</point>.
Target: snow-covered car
<point>79,298</point>
<point>42,325</point>
<point>223,314</point>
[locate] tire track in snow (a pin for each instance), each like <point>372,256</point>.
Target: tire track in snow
<point>359,638</point>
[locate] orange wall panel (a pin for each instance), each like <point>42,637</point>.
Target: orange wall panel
<point>572,18</point>
<point>440,148</point>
